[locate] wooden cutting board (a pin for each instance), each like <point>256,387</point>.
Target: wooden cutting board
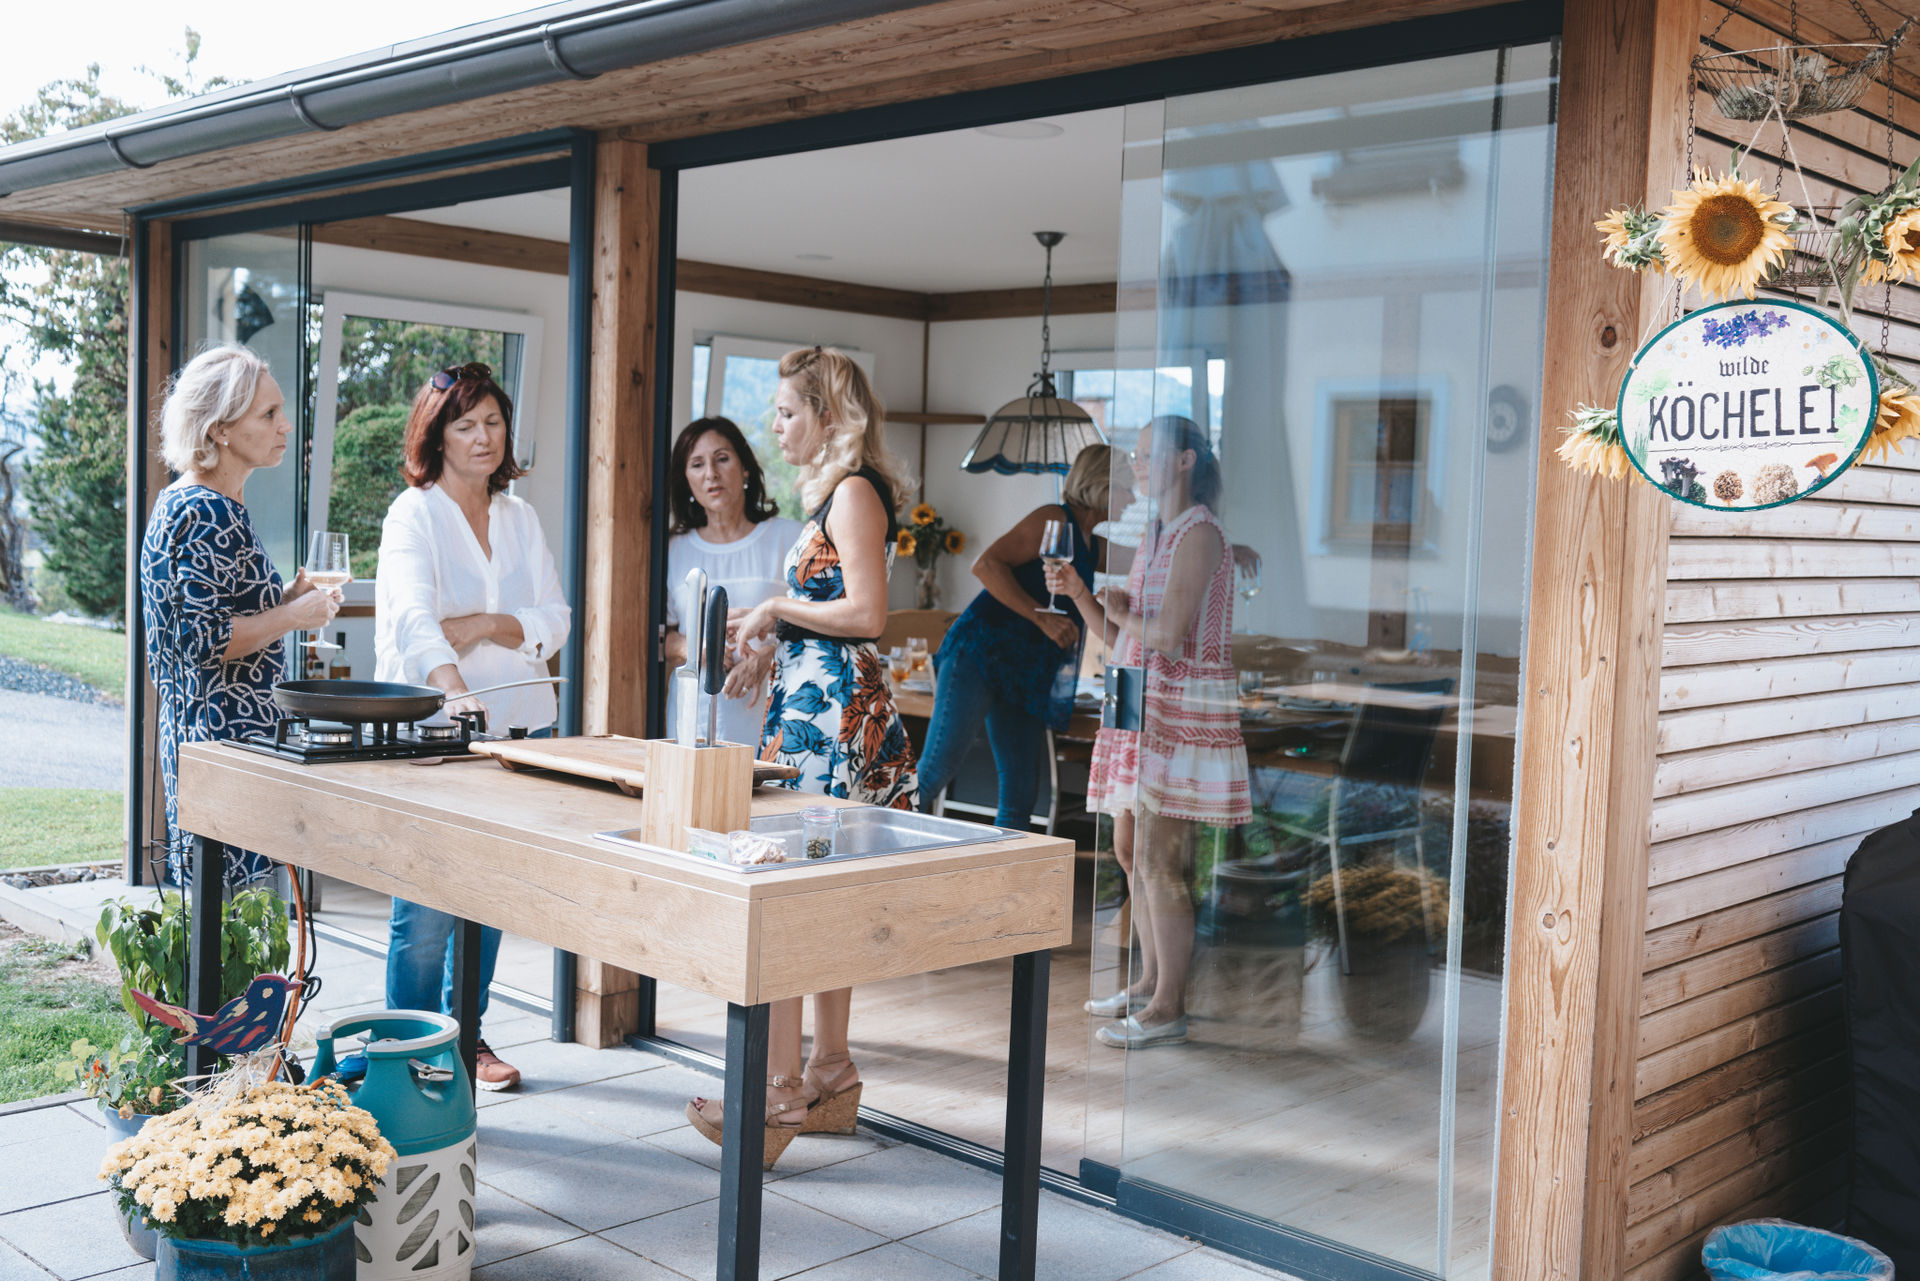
<point>611,758</point>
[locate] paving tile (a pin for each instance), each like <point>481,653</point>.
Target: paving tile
<point>505,1227</point>
<point>1076,1243</point>
<point>793,1238</point>
<point>59,1171</point>
<point>1208,1265</point>
<point>141,1272</point>
<point>893,1262</point>
<point>806,1153</point>
<point>15,1266</point>
<point>60,1124</point>
<point>526,1131</point>
<point>896,1193</point>
<point>637,1104</point>
<point>77,1238</point>
<point>609,1185</point>
<point>554,1065</point>
<point>587,1259</point>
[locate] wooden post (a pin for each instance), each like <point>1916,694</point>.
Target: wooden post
<point>619,515</point>
<point>150,313</point>
<point>1593,666</point>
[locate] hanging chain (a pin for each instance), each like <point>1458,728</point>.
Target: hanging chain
<point>1046,316</point>
<point>1886,310</point>
<point>1686,177</point>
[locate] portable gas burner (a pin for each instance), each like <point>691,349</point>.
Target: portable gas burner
<point>311,741</point>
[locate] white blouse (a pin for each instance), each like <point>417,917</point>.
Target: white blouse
<point>751,569</point>
<point>432,568</point>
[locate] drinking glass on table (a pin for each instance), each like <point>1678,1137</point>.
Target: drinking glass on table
<point>1252,685</point>
<point>918,660</point>
<point>1056,548</point>
<point>328,569</point>
<point>899,665</point>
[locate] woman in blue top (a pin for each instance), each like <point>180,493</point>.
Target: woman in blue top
<point>1006,665</point>
<point>213,607</point>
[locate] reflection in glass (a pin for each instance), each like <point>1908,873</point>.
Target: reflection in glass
<point>1344,267</point>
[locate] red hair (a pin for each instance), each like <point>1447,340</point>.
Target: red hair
<point>433,409</point>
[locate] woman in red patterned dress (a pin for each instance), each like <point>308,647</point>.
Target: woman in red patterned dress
<point>1187,765</point>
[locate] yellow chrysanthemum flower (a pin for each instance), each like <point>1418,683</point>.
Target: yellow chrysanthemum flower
<point>1724,235</point>
<point>923,514</point>
<point>956,542</point>
<point>905,544</point>
<point>1902,239</point>
<point>1899,420</point>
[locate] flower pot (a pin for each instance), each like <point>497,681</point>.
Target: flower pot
<point>327,1256</point>
<point>141,1238</point>
<point>1384,996</point>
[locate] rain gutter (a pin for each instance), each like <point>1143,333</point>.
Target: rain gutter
<point>575,41</point>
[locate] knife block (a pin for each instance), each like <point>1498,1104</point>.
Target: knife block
<point>709,787</point>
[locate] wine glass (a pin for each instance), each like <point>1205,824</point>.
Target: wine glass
<point>328,569</point>
<point>1056,548</point>
<point>1252,576</point>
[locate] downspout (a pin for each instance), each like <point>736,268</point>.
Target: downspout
<point>609,38</point>
<point>140,313</point>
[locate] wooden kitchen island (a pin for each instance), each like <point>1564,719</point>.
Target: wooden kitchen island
<point>517,851</point>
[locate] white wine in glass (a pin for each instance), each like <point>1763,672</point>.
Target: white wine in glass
<point>1056,548</point>
<point>327,569</point>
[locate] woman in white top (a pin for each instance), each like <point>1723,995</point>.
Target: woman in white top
<point>467,596</point>
<point>724,524</point>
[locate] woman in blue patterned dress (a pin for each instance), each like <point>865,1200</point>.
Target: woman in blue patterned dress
<point>831,714</point>
<point>213,607</point>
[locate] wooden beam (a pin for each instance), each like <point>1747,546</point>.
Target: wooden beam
<point>1593,665</point>
<point>797,291</point>
<point>992,304</point>
<point>439,240</point>
<point>150,307</point>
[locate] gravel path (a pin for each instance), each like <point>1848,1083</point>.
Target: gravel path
<point>47,741</point>
<point>31,678</point>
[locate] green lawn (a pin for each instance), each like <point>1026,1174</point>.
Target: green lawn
<point>85,653</point>
<point>40,825</point>
<point>48,1000</point>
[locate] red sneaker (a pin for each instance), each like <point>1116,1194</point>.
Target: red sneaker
<point>491,1072</point>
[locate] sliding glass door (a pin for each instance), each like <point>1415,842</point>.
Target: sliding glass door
<point>1325,528</point>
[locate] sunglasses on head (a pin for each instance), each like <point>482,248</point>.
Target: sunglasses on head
<point>452,374</point>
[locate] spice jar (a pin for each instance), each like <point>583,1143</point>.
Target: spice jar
<point>819,827</point>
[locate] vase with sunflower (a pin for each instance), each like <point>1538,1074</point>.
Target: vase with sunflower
<point>254,1179</point>
<point>925,540</point>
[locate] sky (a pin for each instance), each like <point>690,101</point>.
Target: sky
<point>243,41</point>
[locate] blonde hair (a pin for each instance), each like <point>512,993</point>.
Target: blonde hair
<point>1089,482</point>
<point>854,421</point>
<point>213,389</point>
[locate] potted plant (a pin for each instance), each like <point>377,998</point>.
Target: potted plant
<point>925,540</point>
<point>132,1081</point>
<point>1391,914</point>
<point>262,1182</point>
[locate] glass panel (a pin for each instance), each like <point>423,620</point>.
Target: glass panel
<point>1326,604</point>
<point>250,289</point>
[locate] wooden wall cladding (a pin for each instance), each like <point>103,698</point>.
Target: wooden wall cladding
<point>1789,728</point>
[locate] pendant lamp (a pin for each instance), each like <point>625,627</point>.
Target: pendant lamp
<point>1040,433</point>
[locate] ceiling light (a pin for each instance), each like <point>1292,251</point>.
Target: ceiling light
<point>1040,432</point>
<point>1026,130</point>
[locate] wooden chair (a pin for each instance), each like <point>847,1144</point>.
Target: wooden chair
<point>902,623</point>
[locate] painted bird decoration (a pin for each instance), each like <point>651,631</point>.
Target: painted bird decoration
<point>242,1025</point>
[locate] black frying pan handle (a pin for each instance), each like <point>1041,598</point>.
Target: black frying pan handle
<point>715,674</point>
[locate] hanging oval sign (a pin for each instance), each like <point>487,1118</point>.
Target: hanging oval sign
<point>1744,405</point>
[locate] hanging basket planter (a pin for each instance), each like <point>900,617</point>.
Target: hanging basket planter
<point>1796,80</point>
<point>1819,256</point>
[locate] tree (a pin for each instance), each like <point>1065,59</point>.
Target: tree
<point>71,308</point>
<point>366,476</point>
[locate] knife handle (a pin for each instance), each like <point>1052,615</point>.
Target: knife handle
<point>714,676</point>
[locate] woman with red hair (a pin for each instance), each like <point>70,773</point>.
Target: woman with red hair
<point>467,596</point>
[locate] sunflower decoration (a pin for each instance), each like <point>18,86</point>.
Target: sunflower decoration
<point>956,542</point>
<point>923,514</point>
<point>1724,235</point>
<point>1899,420</point>
<point>905,544</point>
<point>1632,239</point>
<point>1896,256</point>
<point>1593,443</point>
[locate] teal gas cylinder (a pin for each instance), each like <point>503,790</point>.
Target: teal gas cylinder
<point>420,1227</point>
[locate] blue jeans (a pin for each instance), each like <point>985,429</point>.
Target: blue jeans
<point>420,954</point>
<point>964,705</point>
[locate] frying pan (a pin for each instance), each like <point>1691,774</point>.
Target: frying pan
<point>352,701</point>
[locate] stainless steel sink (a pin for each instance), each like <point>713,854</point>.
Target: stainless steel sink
<point>865,832</point>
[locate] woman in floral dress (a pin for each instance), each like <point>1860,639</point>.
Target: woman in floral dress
<point>212,604</point>
<point>831,714</point>
<point>1187,764</point>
